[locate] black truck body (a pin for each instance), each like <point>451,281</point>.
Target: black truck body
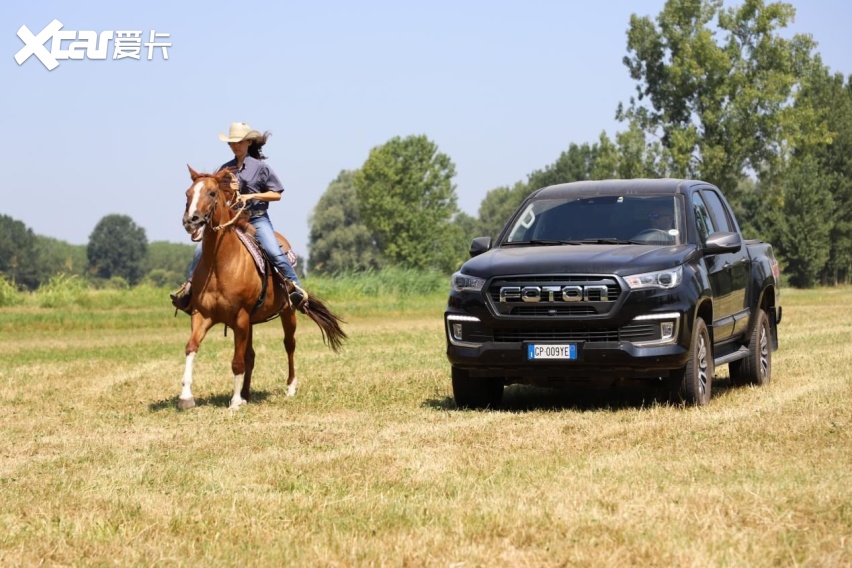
<point>583,284</point>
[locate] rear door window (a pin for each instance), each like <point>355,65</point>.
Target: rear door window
<point>719,211</point>
<point>703,221</point>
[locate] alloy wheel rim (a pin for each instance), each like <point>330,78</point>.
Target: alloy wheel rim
<point>702,365</point>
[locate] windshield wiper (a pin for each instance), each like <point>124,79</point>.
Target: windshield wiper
<point>541,242</point>
<point>608,241</point>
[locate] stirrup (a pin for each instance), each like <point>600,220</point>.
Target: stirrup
<point>298,297</point>
<point>181,298</point>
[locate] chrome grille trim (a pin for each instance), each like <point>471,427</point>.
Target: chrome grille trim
<point>515,303</point>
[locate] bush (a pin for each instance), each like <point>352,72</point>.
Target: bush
<point>63,291</point>
<point>388,282</point>
<point>117,283</point>
<point>162,278</point>
<point>9,293</point>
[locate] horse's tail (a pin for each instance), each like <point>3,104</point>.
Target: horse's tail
<point>328,322</point>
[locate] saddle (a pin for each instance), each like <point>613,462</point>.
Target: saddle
<point>264,265</point>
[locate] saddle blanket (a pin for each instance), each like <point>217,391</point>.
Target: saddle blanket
<point>257,255</point>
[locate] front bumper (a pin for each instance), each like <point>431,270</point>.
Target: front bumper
<point>594,361</point>
<point>601,354</point>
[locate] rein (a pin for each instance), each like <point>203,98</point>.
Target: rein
<point>233,219</point>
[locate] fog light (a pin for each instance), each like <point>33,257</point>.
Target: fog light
<point>667,330</point>
<point>457,331</point>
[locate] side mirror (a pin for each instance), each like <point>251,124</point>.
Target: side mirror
<point>723,242</point>
<point>479,245</point>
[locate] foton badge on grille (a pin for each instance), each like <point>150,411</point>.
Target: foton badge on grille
<point>593,293</point>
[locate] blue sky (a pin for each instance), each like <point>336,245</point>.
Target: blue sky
<point>501,87</point>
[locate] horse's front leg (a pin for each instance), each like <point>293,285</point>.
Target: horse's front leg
<point>200,327</point>
<point>242,335</point>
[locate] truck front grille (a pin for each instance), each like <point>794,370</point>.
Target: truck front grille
<point>575,295</point>
<point>634,332</point>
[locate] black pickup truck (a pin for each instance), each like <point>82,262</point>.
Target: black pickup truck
<point>616,279</point>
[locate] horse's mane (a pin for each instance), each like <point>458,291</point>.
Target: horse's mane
<point>242,223</point>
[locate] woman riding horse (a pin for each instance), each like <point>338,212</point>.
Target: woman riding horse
<point>258,186</point>
<point>232,288</point>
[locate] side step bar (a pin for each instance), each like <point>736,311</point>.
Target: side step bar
<point>740,353</point>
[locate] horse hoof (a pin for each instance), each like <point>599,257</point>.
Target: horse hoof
<point>235,405</point>
<point>186,403</point>
<point>291,388</point>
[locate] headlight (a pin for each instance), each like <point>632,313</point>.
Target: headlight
<point>463,283</point>
<point>663,279</point>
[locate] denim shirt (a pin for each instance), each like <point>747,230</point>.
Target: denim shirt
<point>255,177</point>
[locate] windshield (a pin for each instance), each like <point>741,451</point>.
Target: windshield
<point>645,219</point>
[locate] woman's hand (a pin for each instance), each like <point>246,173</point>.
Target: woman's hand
<point>244,198</point>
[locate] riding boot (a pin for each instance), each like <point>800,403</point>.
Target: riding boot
<point>298,297</point>
<point>181,298</point>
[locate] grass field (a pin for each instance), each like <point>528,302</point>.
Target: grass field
<point>371,463</point>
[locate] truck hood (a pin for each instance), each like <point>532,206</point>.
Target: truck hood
<point>623,260</point>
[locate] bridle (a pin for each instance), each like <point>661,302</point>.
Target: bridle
<point>209,214</point>
<point>233,219</point>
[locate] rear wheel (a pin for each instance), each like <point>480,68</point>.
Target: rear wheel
<point>476,392</point>
<point>693,385</point>
<point>756,369</point>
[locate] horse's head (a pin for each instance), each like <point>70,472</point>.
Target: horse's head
<point>207,193</point>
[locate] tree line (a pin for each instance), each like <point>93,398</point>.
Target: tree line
<point>720,95</point>
<point>117,255</point>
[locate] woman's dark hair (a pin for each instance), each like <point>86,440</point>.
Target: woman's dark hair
<point>254,149</point>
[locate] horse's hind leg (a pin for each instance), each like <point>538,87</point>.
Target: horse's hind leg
<point>200,326</point>
<point>288,322</point>
<point>249,359</point>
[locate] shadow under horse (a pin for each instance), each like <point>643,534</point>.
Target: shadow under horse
<point>227,287</point>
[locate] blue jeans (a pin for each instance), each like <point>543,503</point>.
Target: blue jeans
<point>266,237</point>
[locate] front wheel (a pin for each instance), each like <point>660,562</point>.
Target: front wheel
<point>756,369</point>
<point>693,384</point>
<point>476,392</point>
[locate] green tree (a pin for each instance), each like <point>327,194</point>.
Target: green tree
<point>338,241</point>
<point>117,247</point>
<point>18,254</point>
<point>497,207</point>
<point>830,98</point>
<point>803,224</point>
<point>462,230</point>
<point>407,200</point>
<point>638,158</point>
<point>602,160</point>
<point>719,107</point>
<point>59,257</point>
<point>575,164</point>
<point>168,256</point>
<point>166,263</point>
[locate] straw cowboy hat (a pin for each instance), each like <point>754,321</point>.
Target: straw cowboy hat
<point>238,132</point>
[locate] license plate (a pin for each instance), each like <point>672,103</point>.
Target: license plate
<point>566,352</point>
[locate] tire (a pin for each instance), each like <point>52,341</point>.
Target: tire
<point>693,385</point>
<point>756,369</point>
<point>476,392</point>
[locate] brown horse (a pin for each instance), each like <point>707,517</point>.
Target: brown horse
<point>226,287</point>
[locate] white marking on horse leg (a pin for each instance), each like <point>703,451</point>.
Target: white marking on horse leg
<point>186,398</point>
<point>291,388</point>
<point>237,400</point>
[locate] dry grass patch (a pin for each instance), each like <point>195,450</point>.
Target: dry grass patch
<point>371,464</point>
